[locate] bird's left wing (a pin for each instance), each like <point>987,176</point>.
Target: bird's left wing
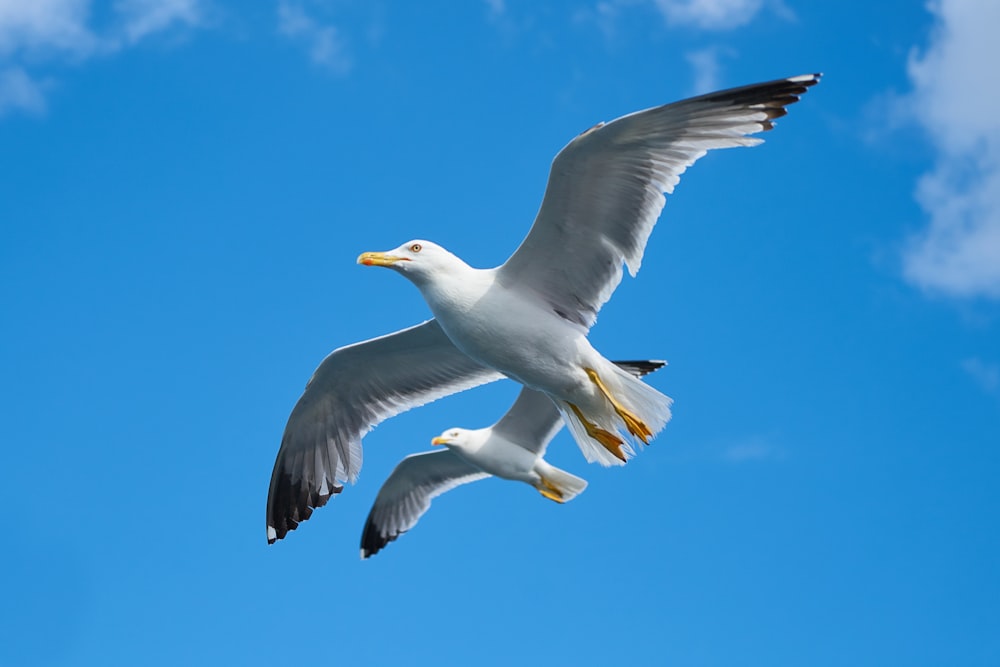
<point>605,191</point>
<point>355,388</point>
<point>408,492</point>
<point>531,422</point>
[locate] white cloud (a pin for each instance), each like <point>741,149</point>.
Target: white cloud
<point>701,14</point>
<point>705,65</point>
<point>326,46</point>
<point>958,254</point>
<point>986,375</point>
<point>42,27</point>
<point>144,17</point>
<point>39,34</point>
<point>705,15</point>
<point>709,14</point>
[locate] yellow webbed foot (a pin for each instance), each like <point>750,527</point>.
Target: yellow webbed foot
<point>634,425</point>
<point>550,491</point>
<point>608,440</point>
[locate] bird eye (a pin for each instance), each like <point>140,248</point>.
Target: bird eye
<point>416,247</point>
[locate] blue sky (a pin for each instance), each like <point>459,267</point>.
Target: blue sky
<point>185,186</point>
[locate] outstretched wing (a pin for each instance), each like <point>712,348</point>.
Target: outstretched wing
<point>408,492</point>
<point>605,190</point>
<point>355,388</point>
<point>531,422</point>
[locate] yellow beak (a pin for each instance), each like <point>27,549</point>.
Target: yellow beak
<point>380,259</point>
<point>439,441</point>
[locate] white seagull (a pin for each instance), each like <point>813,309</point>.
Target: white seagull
<point>527,319</point>
<point>511,449</point>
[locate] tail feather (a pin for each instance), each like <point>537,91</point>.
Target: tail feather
<point>647,403</point>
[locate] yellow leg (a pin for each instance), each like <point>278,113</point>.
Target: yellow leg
<point>635,425</point>
<point>550,491</point>
<point>608,440</point>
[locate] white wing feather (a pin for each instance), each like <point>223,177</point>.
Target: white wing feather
<point>355,388</point>
<point>605,191</point>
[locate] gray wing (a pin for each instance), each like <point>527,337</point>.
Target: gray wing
<point>355,388</point>
<point>605,191</point>
<point>533,420</point>
<point>408,492</point>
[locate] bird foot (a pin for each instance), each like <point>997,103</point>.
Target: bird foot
<point>550,491</point>
<point>634,425</point>
<point>608,440</point>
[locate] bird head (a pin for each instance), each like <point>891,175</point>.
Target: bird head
<point>457,438</point>
<point>417,259</point>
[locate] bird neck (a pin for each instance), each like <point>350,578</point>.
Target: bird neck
<point>458,287</point>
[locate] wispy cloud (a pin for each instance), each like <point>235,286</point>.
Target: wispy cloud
<point>43,28</point>
<point>958,254</point>
<point>325,44</point>
<point>706,17</point>
<point>145,17</point>
<point>496,7</point>
<point>985,374</point>
<point>752,449</point>
<point>19,91</point>
<point>706,68</point>
<point>709,14</point>
<point>37,34</point>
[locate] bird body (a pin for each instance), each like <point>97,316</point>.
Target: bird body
<point>494,454</point>
<point>552,355</point>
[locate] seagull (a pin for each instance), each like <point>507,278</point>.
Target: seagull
<point>527,319</point>
<point>511,449</point>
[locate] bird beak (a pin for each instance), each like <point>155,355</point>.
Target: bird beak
<point>380,259</point>
<point>439,441</point>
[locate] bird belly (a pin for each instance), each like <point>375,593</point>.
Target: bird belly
<point>505,459</point>
<point>523,341</point>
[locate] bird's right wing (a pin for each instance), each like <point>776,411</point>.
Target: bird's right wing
<point>533,420</point>
<point>408,492</point>
<point>605,191</point>
<point>355,388</point>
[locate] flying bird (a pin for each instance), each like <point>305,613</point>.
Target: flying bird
<point>513,449</point>
<point>527,319</point>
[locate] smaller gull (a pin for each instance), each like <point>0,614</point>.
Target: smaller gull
<point>512,449</point>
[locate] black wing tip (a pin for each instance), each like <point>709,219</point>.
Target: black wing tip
<point>293,504</point>
<point>806,79</point>
<point>770,96</point>
<point>641,367</point>
<point>372,541</point>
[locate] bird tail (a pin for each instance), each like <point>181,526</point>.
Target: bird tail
<point>609,441</point>
<point>648,404</point>
<point>556,484</point>
<point>640,368</point>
